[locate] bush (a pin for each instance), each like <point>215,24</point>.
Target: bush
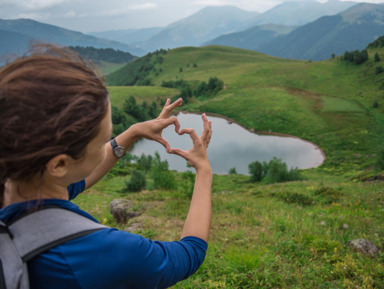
<point>276,171</point>
<point>380,160</point>
<point>377,57</point>
<point>257,170</point>
<point>137,181</point>
<point>357,57</point>
<point>232,171</point>
<point>162,177</point>
<point>187,185</point>
<point>145,162</point>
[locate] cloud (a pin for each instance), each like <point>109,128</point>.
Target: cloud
<point>121,11</point>
<point>35,4</point>
<point>70,14</point>
<point>146,6</point>
<point>251,5</point>
<point>211,3</point>
<point>36,16</point>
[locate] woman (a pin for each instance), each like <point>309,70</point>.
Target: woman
<point>56,126</point>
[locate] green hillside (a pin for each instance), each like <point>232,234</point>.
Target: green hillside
<point>329,103</point>
<point>286,235</point>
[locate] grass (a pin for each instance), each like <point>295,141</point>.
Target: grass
<point>269,236</point>
<point>118,94</point>
<point>290,235</point>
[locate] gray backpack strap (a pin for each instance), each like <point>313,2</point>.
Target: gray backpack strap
<point>14,272</point>
<point>34,234</point>
<point>42,230</point>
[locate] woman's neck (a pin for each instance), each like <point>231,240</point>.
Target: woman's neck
<point>15,192</point>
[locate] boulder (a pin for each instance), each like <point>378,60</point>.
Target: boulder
<point>363,246</point>
<point>121,210</point>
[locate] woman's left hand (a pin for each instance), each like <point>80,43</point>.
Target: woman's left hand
<point>153,129</point>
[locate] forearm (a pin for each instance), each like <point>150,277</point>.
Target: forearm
<point>198,221</point>
<point>126,140</point>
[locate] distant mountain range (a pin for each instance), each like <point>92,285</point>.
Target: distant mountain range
<point>15,36</point>
<point>212,22</point>
<point>129,36</point>
<point>299,30</point>
<point>297,13</point>
<point>350,30</point>
<point>194,30</point>
<point>251,38</point>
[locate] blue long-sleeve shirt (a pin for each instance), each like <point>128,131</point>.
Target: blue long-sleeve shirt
<point>109,258</point>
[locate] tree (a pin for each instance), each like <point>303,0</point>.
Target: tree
<point>162,177</point>
<point>232,171</point>
<point>377,57</point>
<point>257,170</point>
<point>145,162</point>
<point>132,108</point>
<point>136,182</point>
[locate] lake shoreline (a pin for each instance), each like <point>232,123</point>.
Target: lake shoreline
<point>258,132</point>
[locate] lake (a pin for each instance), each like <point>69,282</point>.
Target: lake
<point>233,146</point>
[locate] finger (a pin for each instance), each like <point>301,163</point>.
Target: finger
<point>209,138</point>
<point>178,152</point>
<point>164,142</point>
<point>165,106</point>
<point>207,126</point>
<point>168,107</point>
<point>172,120</point>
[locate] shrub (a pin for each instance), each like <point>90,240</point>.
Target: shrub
<point>327,195</point>
<point>380,160</point>
<point>296,198</point>
<point>357,57</point>
<point>276,171</point>
<point>377,57</point>
<point>232,171</point>
<point>145,162</point>
<point>257,170</point>
<point>187,185</point>
<point>162,177</point>
<point>137,181</point>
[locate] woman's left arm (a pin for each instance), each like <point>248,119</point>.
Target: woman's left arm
<point>151,130</point>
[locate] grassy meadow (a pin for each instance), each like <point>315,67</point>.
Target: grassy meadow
<point>286,235</point>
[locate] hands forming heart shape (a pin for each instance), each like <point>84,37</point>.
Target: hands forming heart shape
<point>197,155</point>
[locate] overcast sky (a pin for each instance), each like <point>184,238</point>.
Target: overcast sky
<point>102,15</point>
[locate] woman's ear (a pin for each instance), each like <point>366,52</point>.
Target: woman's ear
<point>58,166</point>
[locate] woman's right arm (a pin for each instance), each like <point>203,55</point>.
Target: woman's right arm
<point>198,220</point>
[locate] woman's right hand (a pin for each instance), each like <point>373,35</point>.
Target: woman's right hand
<point>196,156</point>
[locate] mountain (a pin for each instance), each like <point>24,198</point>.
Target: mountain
<point>128,36</point>
<point>297,13</point>
<point>206,24</point>
<point>20,30</point>
<point>350,30</point>
<point>12,43</point>
<point>252,37</point>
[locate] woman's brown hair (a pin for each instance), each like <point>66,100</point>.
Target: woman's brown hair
<point>51,102</point>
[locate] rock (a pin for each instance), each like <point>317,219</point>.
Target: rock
<point>363,246</point>
<point>120,210</point>
<point>133,227</point>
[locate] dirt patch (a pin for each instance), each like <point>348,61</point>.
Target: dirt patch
<point>316,97</point>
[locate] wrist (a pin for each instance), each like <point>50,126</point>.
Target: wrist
<point>134,132</point>
<point>204,169</point>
